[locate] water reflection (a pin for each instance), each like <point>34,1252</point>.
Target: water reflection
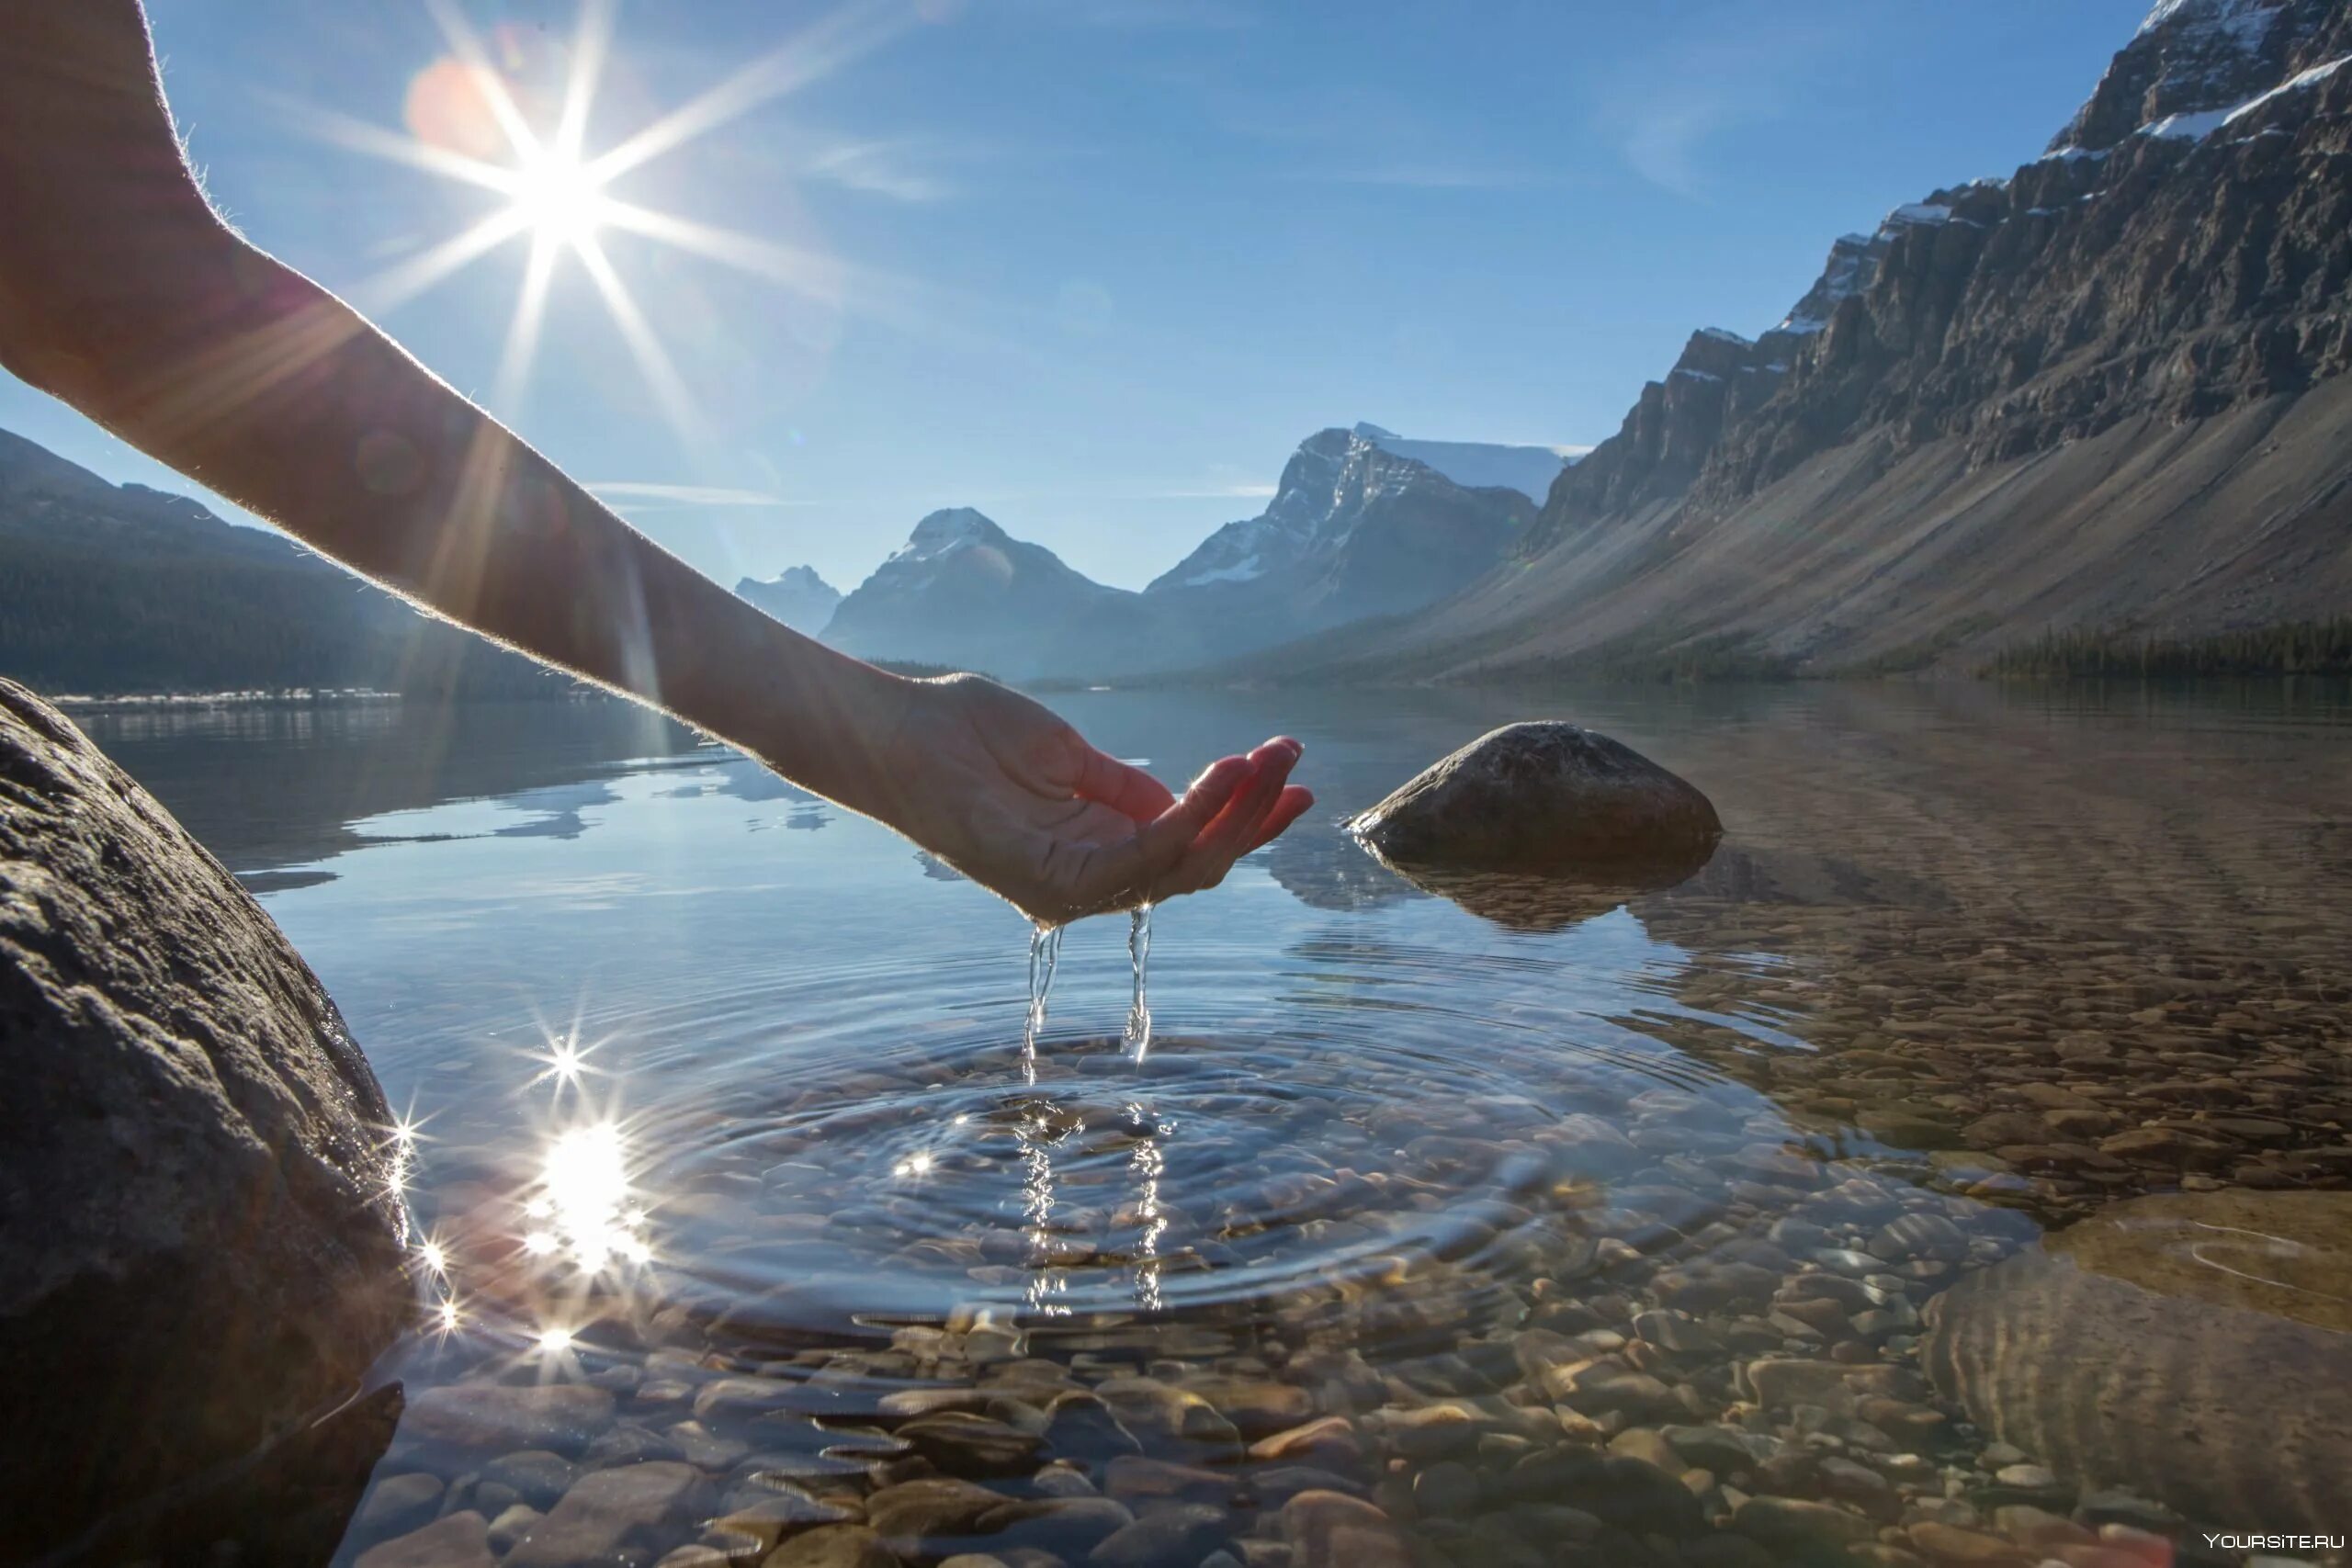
<point>1585,1231</point>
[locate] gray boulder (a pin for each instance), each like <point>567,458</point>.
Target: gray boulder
<point>201,1245</point>
<point>2195,1348</point>
<point>1543,796</point>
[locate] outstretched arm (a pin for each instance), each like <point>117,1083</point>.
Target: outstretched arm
<point>123,294</point>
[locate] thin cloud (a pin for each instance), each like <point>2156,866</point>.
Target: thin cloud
<point>1417,175</point>
<point>1666,111</point>
<point>878,168</point>
<point>690,495</point>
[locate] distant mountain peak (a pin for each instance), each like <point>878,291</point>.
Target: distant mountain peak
<point>947,530</point>
<point>798,597</point>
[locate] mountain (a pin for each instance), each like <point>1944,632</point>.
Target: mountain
<point>108,590</point>
<point>963,592</point>
<point>1355,529</point>
<point>800,598</point>
<point>2107,391</point>
<point>1480,465</point>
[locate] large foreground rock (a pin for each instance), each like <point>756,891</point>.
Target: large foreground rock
<point>1543,796</point>
<point>2197,1347</point>
<point>199,1249</point>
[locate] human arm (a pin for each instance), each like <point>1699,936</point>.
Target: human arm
<point>123,294</point>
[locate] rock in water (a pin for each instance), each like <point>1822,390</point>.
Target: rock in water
<point>2195,1347</point>
<point>200,1240</point>
<point>1542,796</point>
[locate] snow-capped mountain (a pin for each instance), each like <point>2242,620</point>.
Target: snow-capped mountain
<point>1482,465</point>
<point>800,598</point>
<point>1356,528</point>
<point>961,591</point>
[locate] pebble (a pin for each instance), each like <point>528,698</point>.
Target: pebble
<point>607,1512</point>
<point>1330,1529</point>
<point>455,1541</point>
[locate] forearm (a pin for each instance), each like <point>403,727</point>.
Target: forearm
<point>239,371</point>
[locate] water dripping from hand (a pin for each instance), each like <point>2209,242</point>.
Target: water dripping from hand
<point>1138,1031</point>
<point>1044,952</point>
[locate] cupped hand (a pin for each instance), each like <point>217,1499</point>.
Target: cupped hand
<point>1012,796</point>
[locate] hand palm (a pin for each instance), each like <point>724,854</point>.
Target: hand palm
<point>1016,798</point>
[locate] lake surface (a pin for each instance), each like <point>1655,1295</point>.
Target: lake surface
<point>1419,1232</point>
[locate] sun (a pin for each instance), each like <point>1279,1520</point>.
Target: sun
<point>559,199</point>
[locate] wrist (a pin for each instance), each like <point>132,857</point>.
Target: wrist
<point>832,724</point>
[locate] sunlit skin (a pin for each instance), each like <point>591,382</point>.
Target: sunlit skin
<point>124,295</point>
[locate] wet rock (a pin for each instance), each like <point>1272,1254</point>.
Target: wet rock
<point>612,1512</point>
<point>459,1540</point>
<point>934,1507</point>
<point>564,1417</point>
<point>1332,1442</point>
<point>973,1446</point>
<point>1951,1543</point>
<point>1182,1534</point>
<point>1066,1526</point>
<point>1920,1235</point>
<point>1257,1407</point>
<point>1446,1430</point>
<point>833,1546</point>
<point>1793,1525</point>
<point>512,1525</point>
<point>1725,1551</point>
<point>533,1475</point>
<point>1640,1498</point>
<point>1446,1488</point>
<point>733,1398</point>
<point>1080,1426</point>
<point>2172,1342</point>
<point>1137,1481</point>
<point>398,1504</point>
<point>1330,1529</point>
<point>197,1221</point>
<point>777,1513</point>
<point>1541,796</point>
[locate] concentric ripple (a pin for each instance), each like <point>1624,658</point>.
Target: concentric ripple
<point>1400,1138</point>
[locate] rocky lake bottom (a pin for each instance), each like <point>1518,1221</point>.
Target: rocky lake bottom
<point>1958,1169</point>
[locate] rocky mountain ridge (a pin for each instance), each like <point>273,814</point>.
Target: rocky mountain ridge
<point>1354,530</point>
<point>797,596</point>
<point>2105,389</point>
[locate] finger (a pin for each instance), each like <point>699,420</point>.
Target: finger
<point>1293,804</point>
<point>1131,870</point>
<point>1128,791</point>
<point>1213,854</point>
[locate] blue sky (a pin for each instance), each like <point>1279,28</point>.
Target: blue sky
<point>1097,265</point>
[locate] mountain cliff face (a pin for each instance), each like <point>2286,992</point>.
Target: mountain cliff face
<point>2108,390</point>
<point>1354,529</point>
<point>800,598</point>
<point>116,589</point>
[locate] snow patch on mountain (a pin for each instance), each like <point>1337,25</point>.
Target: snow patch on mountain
<point>2197,126</point>
<point>2243,22</point>
<point>944,533</point>
<point>1480,465</point>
